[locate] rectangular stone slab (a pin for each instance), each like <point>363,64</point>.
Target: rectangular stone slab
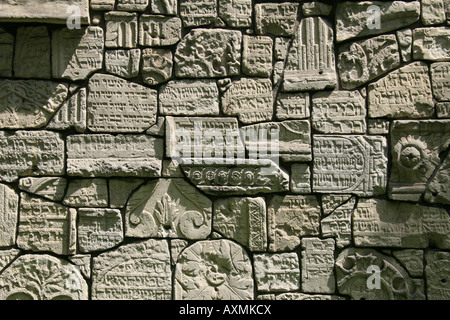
<point>44,11</point>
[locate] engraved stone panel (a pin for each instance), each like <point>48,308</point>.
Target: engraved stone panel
<point>123,63</point>
<point>156,30</point>
<point>405,44</point>
<point>176,247</point>
<point>243,220</point>
<point>281,47</point>
<point>290,140</point>
<point>6,256</point>
<point>331,202</point>
<point>292,105</point>
<point>437,190</point>
<point>437,274</point>
<point>447,10</point>
<point>362,61</point>
<point>196,13</point>
<point>83,262</point>
<point>291,217</point>
<point>104,155</point>
<point>378,126</point>
<point>236,177</point>
<point>412,260</point>
<point>137,271</point>
<point>350,164</point>
<point>9,211</point>
<point>106,5</point>
<point>352,17</point>
<point>42,11</point>
<point>257,56</point>
<point>189,97</point>
<point>121,189</point>
<point>132,5</point>
<point>35,153</point>
<point>208,53</point>
<point>72,113</point>
<point>87,193</point>
<point>277,272</point>
<point>52,188</point>
<point>42,277</point>
<point>405,92</point>
<point>213,270</point>
<point>166,7</point>
<point>117,105</point>
<point>276,18</point>
<point>440,80</point>
<point>443,109</point>
<point>385,223</point>
<point>433,12</point>
<point>431,44</point>
<point>338,223</point>
<point>168,208</point>
<point>339,112</point>
<point>99,229</point>
<point>250,99</point>
<point>352,276</point>
<point>310,62</point>
<point>46,226</point>
<point>157,65</point>
<point>317,265</point>
<point>415,150</point>
<point>29,104</point>
<point>316,9</point>
<point>121,29</point>
<point>300,178</point>
<point>77,53</point>
<point>6,53</point>
<point>236,13</point>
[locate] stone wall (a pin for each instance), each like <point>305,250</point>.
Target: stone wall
<point>229,149</point>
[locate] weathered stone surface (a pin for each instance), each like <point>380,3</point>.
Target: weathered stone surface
<point>156,30</point>
<point>72,114</point>
<point>310,61</point>
<point>137,271</point>
<point>317,265</point>
<point>339,112</point>
<point>243,220</point>
<point>77,53</point>
<point>352,276</point>
<point>250,99</point>
<point>412,260</point>
<point>6,256</point>
<point>382,223</point>
<point>405,40</point>
<point>87,193</point>
<point>281,47</point>
<point>437,275</point>
<point>350,164</point>
<point>196,13</point>
<point>189,97</point>
<point>83,262</point>
<point>30,153</point>
<point>208,53</point>
<point>132,5</point>
<point>300,178</point>
<point>158,129</point>
<point>99,229</point>
<point>277,272</point>
<point>117,105</point>
<point>338,223</point>
<point>405,92</point>
<point>201,137</point>
<point>416,146</point>
<point>216,270</point>
<point>292,105</point>
<point>18,111</point>
<point>378,126</point>
<point>121,29</point>
<point>316,9</point>
<point>235,176</point>
<point>278,72</point>
<point>176,247</point>
<point>6,53</point>
<point>43,11</point>
<point>42,277</point>
<point>9,211</point>
<point>166,7</point>
<point>168,208</point>
<point>289,140</point>
<point>52,188</point>
<point>443,109</point>
<point>431,44</point>
<point>357,19</point>
<point>433,12</point>
<point>121,189</point>
<point>236,13</point>
<point>438,190</point>
<point>157,65</point>
<point>123,63</point>
<point>330,202</point>
<point>46,226</point>
<point>447,10</point>
<point>276,18</point>
<point>257,56</point>
<point>106,5</point>
<point>362,61</point>
<point>172,169</point>
<point>440,80</point>
<point>291,217</point>
<point>104,155</point>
